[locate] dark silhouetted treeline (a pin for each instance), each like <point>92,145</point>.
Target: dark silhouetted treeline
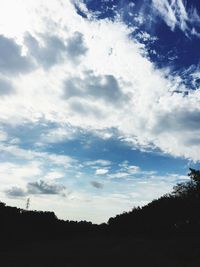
<point>163,233</point>
<point>19,224</point>
<point>177,213</point>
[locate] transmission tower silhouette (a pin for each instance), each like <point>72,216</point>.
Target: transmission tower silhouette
<point>27,203</point>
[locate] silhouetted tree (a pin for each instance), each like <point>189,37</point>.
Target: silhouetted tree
<point>190,188</point>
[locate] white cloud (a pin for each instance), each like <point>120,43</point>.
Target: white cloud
<point>104,134</point>
<point>149,104</point>
<point>95,87</point>
<point>53,175</point>
<point>130,169</point>
<point>27,154</point>
<point>99,162</point>
<point>168,12</point>
<point>58,135</point>
<point>12,62</point>
<point>101,171</point>
<point>19,166</point>
<point>119,174</point>
<point>17,173</point>
<point>50,50</point>
<point>133,169</point>
<point>121,90</point>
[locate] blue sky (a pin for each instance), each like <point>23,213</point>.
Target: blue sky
<point>100,103</point>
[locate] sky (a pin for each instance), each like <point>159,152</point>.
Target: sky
<point>99,103</point>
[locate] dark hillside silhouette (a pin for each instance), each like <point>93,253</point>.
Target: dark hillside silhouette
<point>173,214</point>
<point>163,233</point>
<point>19,224</point>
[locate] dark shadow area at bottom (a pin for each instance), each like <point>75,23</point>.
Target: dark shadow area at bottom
<point>103,251</point>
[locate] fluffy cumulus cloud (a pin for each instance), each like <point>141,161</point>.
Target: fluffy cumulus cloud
<point>83,75</point>
<point>51,50</point>
<point>95,87</point>
<point>11,60</point>
<point>114,86</point>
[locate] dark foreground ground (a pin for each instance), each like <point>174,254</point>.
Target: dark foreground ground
<point>103,251</point>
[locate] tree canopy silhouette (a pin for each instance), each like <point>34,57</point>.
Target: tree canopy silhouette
<point>174,213</point>
<point>190,188</point>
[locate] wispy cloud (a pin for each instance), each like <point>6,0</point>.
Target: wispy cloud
<point>28,154</point>
<point>99,162</point>
<point>175,14</point>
